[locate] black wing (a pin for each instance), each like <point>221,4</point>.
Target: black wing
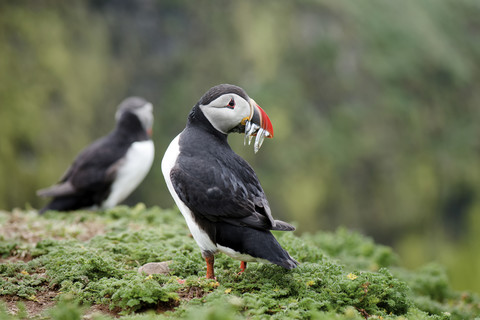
<point>218,190</point>
<point>94,168</point>
<point>97,164</point>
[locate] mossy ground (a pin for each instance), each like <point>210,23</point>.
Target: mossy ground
<point>69,265</point>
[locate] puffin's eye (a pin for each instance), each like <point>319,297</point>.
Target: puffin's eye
<point>231,104</point>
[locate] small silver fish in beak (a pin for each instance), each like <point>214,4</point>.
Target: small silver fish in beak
<point>259,125</point>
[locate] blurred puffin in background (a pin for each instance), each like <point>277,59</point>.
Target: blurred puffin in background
<point>216,190</point>
<point>112,167</point>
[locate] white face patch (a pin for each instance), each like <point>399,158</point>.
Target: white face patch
<point>224,117</point>
<point>145,114</point>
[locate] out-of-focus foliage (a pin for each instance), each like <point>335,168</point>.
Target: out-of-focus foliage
<point>375,105</point>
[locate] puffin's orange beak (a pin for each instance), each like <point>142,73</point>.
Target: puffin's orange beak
<point>261,118</point>
<point>257,124</point>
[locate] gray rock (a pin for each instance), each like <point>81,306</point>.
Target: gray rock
<point>155,268</point>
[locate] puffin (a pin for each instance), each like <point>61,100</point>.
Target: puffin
<point>109,169</point>
<point>216,190</point>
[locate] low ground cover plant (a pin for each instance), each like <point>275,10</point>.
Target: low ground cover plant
<point>86,264</point>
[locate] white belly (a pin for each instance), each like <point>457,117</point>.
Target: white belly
<point>136,164</point>
<point>168,161</point>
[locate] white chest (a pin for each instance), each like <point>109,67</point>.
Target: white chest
<point>168,161</point>
<point>131,172</point>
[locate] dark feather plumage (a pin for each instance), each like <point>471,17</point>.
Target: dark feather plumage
<point>224,194</point>
<point>88,180</point>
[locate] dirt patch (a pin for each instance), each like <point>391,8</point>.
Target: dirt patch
<point>101,309</point>
<point>24,228</point>
<point>42,301</point>
<point>46,300</point>
<point>167,306</point>
<point>22,257</point>
<point>190,293</point>
<point>91,229</point>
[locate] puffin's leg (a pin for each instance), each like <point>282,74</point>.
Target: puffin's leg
<point>210,271</point>
<point>243,266</point>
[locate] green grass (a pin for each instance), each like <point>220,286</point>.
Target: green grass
<point>86,261</point>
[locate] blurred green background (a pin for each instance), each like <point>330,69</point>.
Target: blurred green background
<point>375,105</point>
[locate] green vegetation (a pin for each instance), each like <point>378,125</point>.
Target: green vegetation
<point>63,264</point>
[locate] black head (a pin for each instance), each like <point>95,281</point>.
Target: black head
<point>139,107</point>
<point>227,108</point>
